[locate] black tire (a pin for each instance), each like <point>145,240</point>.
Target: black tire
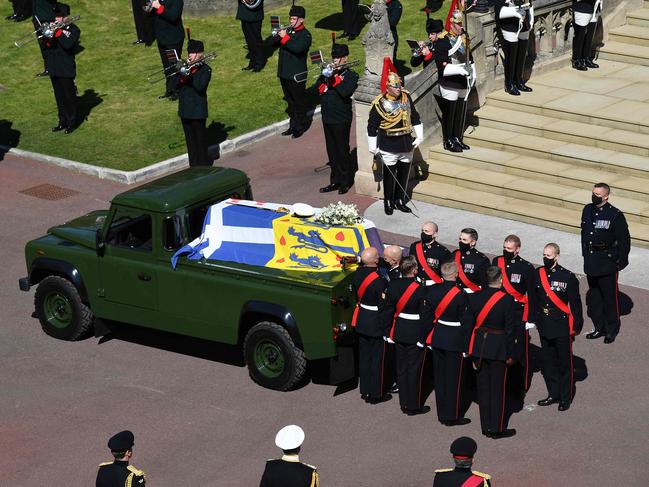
<point>60,310</point>
<point>272,358</point>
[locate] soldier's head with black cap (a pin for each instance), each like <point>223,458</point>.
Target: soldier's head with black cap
<point>61,11</point>
<point>297,14</point>
<point>121,445</point>
<point>434,27</point>
<point>463,449</point>
<point>339,53</point>
<point>195,49</point>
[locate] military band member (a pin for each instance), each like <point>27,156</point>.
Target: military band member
<point>351,19</point>
<point>294,44</point>
<point>448,334</point>
<point>586,14</point>
<point>556,311</point>
<point>463,450</point>
<point>404,303</point>
<point>42,11</point>
<point>60,50</point>
<point>336,93</point>
<point>192,103</point>
<point>518,282</point>
<point>251,15</point>
<point>392,120</point>
<point>395,9</point>
<point>430,255</point>
<point>424,55</point>
<point>144,24</point>
<point>491,347</point>
<point>471,264</point>
<point>119,473</point>
<point>515,21</point>
<point>370,288</point>
<point>605,246</point>
<point>170,36</point>
<point>288,471</point>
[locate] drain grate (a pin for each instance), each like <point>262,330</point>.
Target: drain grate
<point>49,192</point>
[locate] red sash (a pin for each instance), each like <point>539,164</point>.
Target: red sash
<point>473,481</point>
<point>521,298</point>
<point>441,307</point>
<point>497,296</point>
<point>369,279</point>
<point>403,300</point>
<point>428,270</point>
<point>463,277</point>
<point>556,300</point>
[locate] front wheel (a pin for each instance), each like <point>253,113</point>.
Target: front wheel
<point>272,358</point>
<point>60,310</point>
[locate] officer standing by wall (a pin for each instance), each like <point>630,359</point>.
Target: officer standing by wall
<point>463,450</point>
<point>605,245</point>
<point>251,16</point>
<point>288,471</point>
<point>471,264</point>
<point>119,473</point>
<point>170,35</point>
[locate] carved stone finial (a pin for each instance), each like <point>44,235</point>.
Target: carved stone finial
<point>378,40</point>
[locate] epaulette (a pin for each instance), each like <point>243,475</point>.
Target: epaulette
<point>310,466</point>
<point>480,474</point>
<point>376,99</point>
<point>442,470</point>
<point>105,463</point>
<point>136,471</point>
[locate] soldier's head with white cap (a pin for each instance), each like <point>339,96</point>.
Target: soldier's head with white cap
<point>290,439</point>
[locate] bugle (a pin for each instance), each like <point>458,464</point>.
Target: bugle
<point>325,69</point>
<point>180,67</point>
<point>45,29</point>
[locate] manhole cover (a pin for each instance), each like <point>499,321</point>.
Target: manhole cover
<point>49,192</point>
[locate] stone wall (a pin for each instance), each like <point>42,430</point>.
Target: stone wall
<point>224,7</point>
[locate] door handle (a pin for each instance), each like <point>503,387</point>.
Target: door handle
<point>143,276</point>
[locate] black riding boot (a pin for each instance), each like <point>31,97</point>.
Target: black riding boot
<point>403,176</point>
<point>388,188</point>
<point>510,49</point>
<point>521,54</point>
<point>587,52</point>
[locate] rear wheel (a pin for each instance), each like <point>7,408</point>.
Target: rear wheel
<point>273,359</point>
<point>60,310</point>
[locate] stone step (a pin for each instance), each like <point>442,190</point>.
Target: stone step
<point>626,53</point>
<point>566,130</point>
<point>507,207</point>
<point>581,106</point>
<point>578,155</point>
<point>552,194</point>
<point>638,17</point>
<point>630,34</point>
<point>555,172</point>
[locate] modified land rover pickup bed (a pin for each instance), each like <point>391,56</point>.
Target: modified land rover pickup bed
<point>115,265</point>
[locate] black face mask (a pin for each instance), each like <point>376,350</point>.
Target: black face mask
<point>464,247</point>
<point>508,255</point>
<point>596,199</point>
<point>425,238</point>
<point>548,263</point>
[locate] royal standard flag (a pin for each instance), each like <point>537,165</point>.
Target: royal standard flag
<point>266,234</point>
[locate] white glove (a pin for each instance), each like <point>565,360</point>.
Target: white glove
<point>389,340</point>
<point>420,345</point>
<point>509,13</point>
<point>371,145</point>
<point>419,136</point>
<point>531,15</point>
<point>455,69</point>
<point>529,326</point>
<point>474,75</point>
<point>464,354</point>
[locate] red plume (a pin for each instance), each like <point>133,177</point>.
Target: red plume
<point>188,35</point>
<point>447,24</point>
<point>333,38</point>
<point>387,68</point>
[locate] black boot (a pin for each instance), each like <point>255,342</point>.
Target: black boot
<point>458,125</point>
<point>388,188</point>
<point>388,206</point>
<point>521,55</point>
<point>587,50</point>
<point>510,49</point>
<point>450,145</point>
<point>401,189</point>
<point>511,89</point>
<point>449,123</point>
<point>578,47</point>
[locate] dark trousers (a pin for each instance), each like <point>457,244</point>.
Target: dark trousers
<point>605,316</point>
<point>252,34</point>
<point>395,181</point>
<point>582,42</point>
<point>521,55</point>
<point>23,8</point>
<point>337,140</point>
<point>144,24</point>
<point>196,138</point>
<point>66,100</point>
<point>409,368</point>
<point>351,19</point>
<point>557,367</point>
<point>510,49</point>
<point>492,382</point>
<point>171,82</point>
<point>370,365</point>
<point>295,96</point>
<point>449,370</point>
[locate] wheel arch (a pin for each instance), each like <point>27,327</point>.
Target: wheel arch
<point>255,311</point>
<point>44,266</point>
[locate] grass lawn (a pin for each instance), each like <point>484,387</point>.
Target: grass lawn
<point>127,127</point>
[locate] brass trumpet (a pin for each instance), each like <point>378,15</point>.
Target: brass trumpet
<point>417,48</point>
<point>180,67</point>
<point>148,7</point>
<point>275,26</point>
<point>45,29</point>
<point>322,67</point>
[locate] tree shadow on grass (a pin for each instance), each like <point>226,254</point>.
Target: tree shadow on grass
<point>331,22</point>
<point>217,133</point>
<point>9,137</point>
<point>85,104</point>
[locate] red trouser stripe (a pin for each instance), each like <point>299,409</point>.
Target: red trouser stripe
<point>502,416</point>
<point>457,395</point>
<point>421,377</point>
<point>572,372</point>
<point>382,367</point>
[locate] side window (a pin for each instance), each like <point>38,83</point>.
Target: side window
<point>130,230</point>
<point>196,216</point>
<point>172,237</point>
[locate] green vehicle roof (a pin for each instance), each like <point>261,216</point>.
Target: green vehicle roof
<point>177,190</point>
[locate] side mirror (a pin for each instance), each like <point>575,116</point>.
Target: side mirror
<point>100,245</point>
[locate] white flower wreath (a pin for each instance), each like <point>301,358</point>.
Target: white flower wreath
<point>339,214</point>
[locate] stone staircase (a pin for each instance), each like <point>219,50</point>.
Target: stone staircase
<point>535,157</point>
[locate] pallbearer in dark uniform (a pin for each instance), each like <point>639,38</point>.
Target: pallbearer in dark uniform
<point>518,282</point>
<point>42,11</point>
<point>336,90</point>
<point>392,120</point>
<point>192,103</point>
<point>556,310</point>
<point>351,19</point>
<point>471,264</point>
<point>404,303</point>
<point>430,255</point>
<point>288,471</point>
<point>370,288</point>
<point>119,473</point>
<point>144,24</point>
<point>294,44</point>
<point>491,348</point>
<point>60,50</point>
<point>449,325</point>
<point>170,36</point>
<point>586,14</point>
<point>251,15</point>
<point>395,9</point>
<point>605,245</point>
<point>424,55</point>
<point>515,22</point>
<point>463,449</point>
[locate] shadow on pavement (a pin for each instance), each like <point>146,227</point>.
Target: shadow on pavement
<point>9,137</point>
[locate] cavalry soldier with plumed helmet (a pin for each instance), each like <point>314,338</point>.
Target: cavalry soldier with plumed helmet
<point>119,473</point>
<point>288,471</point>
<point>463,449</point>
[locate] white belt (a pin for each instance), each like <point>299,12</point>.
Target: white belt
<point>468,290</point>
<point>449,323</point>
<point>408,316</point>
<point>429,282</point>
<point>369,308</point>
